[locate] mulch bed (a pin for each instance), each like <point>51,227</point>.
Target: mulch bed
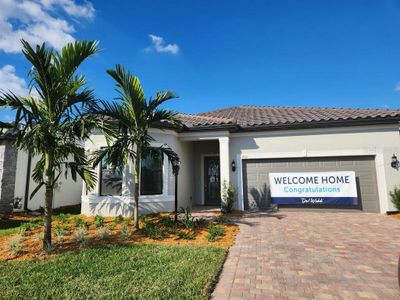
<point>32,245</point>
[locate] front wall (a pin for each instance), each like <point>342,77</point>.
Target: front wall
<point>381,141</point>
<point>256,184</point>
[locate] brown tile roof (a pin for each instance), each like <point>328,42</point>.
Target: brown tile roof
<point>250,117</point>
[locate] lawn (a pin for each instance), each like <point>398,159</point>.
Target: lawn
<point>115,272</point>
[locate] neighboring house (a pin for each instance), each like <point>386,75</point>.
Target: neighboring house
<point>16,182</point>
<point>243,144</point>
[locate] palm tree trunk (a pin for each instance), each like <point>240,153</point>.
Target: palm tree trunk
<point>136,195</point>
<point>48,212</point>
<point>48,205</point>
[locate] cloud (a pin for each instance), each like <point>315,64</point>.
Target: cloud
<point>158,44</point>
<point>37,21</point>
<point>9,81</point>
<point>397,87</point>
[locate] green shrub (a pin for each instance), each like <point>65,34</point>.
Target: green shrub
<point>214,232</point>
<point>62,218</point>
<point>187,220</point>
<point>395,197</point>
<point>221,220</point>
<point>125,232</point>
<point>166,221</point>
<point>79,222</point>
<point>98,221</point>
<point>80,236</point>
<point>228,197</point>
<point>15,244</point>
<point>118,219</point>
<point>151,230</point>
<point>185,236</point>
<point>60,230</point>
<point>103,233</point>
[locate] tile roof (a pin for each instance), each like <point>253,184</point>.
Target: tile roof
<point>249,117</point>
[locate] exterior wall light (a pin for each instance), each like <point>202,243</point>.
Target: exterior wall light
<point>395,162</point>
<point>233,166</point>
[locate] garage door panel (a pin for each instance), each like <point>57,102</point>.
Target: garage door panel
<point>255,176</point>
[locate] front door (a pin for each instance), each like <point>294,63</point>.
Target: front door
<point>212,185</point>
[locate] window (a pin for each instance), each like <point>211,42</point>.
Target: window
<point>110,180</point>
<point>151,177</point>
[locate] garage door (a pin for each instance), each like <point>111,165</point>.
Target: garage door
<point>255,178</point>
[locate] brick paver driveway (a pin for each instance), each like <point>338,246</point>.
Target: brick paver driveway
<point>313,255</point>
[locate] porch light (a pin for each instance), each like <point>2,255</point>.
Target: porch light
<point>395,162</point>
<point>233,166</point>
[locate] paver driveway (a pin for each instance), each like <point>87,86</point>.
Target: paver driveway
<point>313,255</point>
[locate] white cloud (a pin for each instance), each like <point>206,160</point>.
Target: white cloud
<point>158,44</point>
<point>397,87</point>
<point>9,81</point>
<point>36,21</point>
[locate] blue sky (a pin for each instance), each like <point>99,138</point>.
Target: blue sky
<point>216,54</point>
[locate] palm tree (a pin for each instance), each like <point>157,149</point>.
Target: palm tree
<point>129,120</point>
<point>53,124</point>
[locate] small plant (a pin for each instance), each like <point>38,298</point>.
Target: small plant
<point>187,221</point>
<point>125,232</point>
<point>228,197</point>
<point>60,230</point>
<point>23,229</point>
<point>151,230</point>
<point>103,233</point>
<point>395,197</point>
<point>166,221</point>
<point>78,222</point>
<point>62,218</point>
<point>185,236</point>
<point>214,232</point>
<point>111,226</point>
<point>221,220</point>
<point>15,244</point>
<point>118,219</point>
<point>98,221</point>
<point>80,236</point>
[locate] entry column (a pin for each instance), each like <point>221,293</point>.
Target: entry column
<point>224,160</point>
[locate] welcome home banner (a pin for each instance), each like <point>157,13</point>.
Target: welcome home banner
<point>321,188</point>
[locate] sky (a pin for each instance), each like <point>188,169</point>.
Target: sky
<point>216,54</point>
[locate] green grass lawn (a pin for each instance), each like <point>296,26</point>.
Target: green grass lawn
<point>116,272</point>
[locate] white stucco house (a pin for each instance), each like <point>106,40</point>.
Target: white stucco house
<point>244,145</point>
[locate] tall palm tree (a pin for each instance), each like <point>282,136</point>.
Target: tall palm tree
<point>129,120</point>
<point>53,124</point>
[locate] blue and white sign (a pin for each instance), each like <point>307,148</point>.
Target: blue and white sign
<point>318,188</point>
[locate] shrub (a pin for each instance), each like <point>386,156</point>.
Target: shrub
<point>153,231</point>
<point>221,220</point>
<point>62,218</point>
<point>80,236</point>
<point>187,221</point>
<point>118,219</point>
<point>125,232</point>
<point>228,197</point>
<point>15,244</point>
<point>166,221</point>
<point>60,230</point>
<point>103,233</point>
<point>98,221</point>
<point>395,197</point>
<point>185,236</point>
<point>79,222</point>
<point>214,232</point>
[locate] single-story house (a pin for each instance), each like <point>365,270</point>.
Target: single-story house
<point>321,157</point>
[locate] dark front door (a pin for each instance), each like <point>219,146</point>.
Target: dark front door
<point>212,185</point>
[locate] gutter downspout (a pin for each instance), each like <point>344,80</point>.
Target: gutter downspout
<point>27,182</point>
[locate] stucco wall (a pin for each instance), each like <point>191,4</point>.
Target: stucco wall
<point>8,159</point>
<point>93,203</point>
<point>67,191</point>
<point>380,141</point>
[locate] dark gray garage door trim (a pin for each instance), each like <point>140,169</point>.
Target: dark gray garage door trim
<point>364,166</point>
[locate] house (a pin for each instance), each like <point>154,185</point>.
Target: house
<point>353,151</point>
